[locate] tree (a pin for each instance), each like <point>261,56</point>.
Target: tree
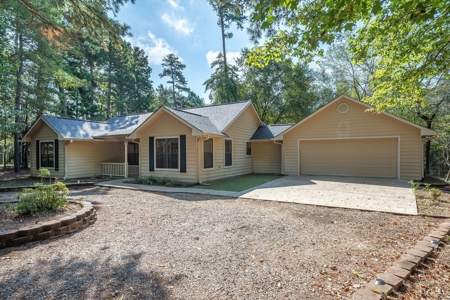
<point>228,12</point>
<point>193,100</point>
<point>280,92</point>
<point>409,39</point>
<point>173,68</point>
<point>223,82</point>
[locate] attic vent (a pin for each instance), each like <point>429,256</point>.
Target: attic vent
<point>343,108</point>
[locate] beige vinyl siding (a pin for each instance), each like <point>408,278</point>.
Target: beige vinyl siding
<point>240,131</point>
<point>375,157</point>
<point>46,133</point>
<point>84,157</point>
<point>167,126</point>
<point>329,123</point>
<point>266,157</point>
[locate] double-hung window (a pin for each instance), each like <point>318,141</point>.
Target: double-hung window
<point>167,153</point>
<point>249,148</point>
<point>208,154</point>
<point>47,155</point>
<point>228,153</point>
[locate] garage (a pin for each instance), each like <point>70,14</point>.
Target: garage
<point>362,157</point>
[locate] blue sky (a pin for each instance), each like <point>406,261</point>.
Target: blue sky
<point>188,28</point>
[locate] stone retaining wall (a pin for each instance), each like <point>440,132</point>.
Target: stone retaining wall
<point>51,229</point>
<point>403,267</point>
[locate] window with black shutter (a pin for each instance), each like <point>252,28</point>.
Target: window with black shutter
<point>167,153</point>
<point>47,154</point>
<point>208,154</point>
<point>228,153</point>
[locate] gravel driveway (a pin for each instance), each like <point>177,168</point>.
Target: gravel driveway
<point>175,246</point>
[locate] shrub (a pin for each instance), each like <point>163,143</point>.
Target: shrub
<point>415,186</point>
<point>154,180</point>
<point>434,193</point>
<point>43,198</point>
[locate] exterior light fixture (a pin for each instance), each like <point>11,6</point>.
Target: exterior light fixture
<point>379,281</point>
<point>434,243</point>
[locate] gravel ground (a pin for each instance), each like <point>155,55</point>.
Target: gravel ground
<point>186,246</point>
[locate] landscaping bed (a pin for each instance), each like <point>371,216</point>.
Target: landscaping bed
<point>11,221</point>
<point>436,207</point>
<point>431,280</point>
<point>187,246</point>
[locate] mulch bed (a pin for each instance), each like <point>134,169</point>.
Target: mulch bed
<point>185,246</point>
<point>426,204</point>
<point>11,221</point>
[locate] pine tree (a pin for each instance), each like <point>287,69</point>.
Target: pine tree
<point>173,68</point>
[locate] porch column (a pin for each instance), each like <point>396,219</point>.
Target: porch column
<point>126,159</point>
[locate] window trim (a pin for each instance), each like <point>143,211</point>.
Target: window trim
<point>154,149</point>
<point>203,145</point>
<point>224,153</point>
<point>40,154</point>
<point>251,148</point>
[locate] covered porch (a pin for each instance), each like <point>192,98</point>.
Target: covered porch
<point>130,165</point>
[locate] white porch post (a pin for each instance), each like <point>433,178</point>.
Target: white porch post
<point>126,159</point>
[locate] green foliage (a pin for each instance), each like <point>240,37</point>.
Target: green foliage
<point>415,186</point>
<point>223,82</point>
<point>155,180</point>
<point>281,92</point>
<point>43,198</point>
<point>43,172</point>
<point>434,193</point>
<point>173,68</point>
<point>408,39</point>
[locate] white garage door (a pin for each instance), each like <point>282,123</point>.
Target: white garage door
<point>353,157</point>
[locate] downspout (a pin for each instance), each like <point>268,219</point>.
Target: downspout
<point>66,166</point>
<point>282,165</point>
<point>199,138</point>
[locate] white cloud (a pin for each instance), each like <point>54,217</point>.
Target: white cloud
<point>174,4</point>
<point>155,48</point>
<point>180,25</point>
<point>231,57</point>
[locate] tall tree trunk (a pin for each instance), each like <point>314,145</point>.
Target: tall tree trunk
<point>108,100</point>
<point>62,91</point>
<point>173,91</point>
<point>223,40</point>
<point>17,105</point>
<point>4,151</point>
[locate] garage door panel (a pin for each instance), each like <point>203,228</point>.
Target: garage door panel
<point>354,157</point>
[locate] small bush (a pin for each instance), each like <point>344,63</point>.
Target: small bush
<point>154,180</point>
<point>415,186</point>
<point>43,198</point>
<point>434,193</point>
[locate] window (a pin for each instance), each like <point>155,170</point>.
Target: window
<point>167,153</point>
<point>47,155</point>
<point>208,154</point>
<point>133,154</point>
<point>228,153</point>
<point>249,148</point>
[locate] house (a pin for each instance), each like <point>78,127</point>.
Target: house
<point>207,143</point>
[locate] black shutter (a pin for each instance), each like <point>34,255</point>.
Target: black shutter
<point>56,155</point>
<point>38,154</point>
<point>183,153</point>
<point>151,145</point>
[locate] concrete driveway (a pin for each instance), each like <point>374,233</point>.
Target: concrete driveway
<point>386,195</point>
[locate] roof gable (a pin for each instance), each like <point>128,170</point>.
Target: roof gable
<point>424,131</point>
<point>268,132</point>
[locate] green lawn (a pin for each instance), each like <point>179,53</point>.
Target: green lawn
<point>239,183</point>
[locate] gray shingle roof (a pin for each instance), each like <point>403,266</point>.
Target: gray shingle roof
<point>82,129</point>
<point>220,115</point>
<point>202,123</point>
<point>268,132</point>
<point>208,119</point>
